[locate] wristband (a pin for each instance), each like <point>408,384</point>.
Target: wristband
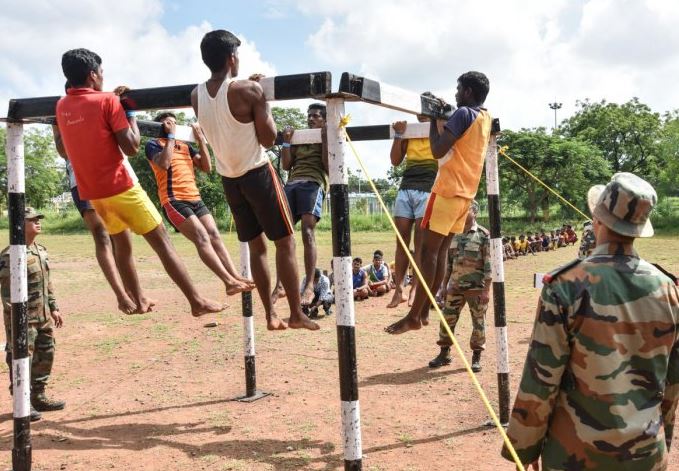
<point>286,145</point>
<point>398,135</point>
<point>130,114</point>
<point>170,135</point>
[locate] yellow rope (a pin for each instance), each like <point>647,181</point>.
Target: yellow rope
<point>343,123</point>
<point>502,151</point>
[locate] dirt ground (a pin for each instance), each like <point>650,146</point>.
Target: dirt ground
<point>154,392</point>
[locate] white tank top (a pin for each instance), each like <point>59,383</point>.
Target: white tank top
<point>237,150</point>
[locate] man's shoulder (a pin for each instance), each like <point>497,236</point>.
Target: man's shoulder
<point>482,232</point>
<point>553,275</point>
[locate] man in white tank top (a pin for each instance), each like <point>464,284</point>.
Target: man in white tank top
<point>236,120</point>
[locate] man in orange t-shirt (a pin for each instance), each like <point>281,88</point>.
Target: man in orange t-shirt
<point>173,163</point>
<point>94,129</point>
<point>460,150</point>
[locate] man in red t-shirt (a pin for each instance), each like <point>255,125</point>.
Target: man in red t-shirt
<point>95,129</point>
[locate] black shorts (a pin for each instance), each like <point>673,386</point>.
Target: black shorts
<point>304,198</point>
<point>179,211</point>
<point>258,203</point>
<point>81,205</point>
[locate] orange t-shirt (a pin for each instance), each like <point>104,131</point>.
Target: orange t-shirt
<point>460,171</point>
<point>88,120</point>
<point>179,181</point>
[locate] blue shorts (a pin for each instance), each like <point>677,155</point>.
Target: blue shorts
<point>304,198</point>
<point>82,205</point>
<point>410,204</point>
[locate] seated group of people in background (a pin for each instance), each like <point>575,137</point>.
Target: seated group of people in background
<point>534,242</point>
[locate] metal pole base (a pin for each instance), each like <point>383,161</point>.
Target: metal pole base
<point>257,395</point>
<point>21,459</point>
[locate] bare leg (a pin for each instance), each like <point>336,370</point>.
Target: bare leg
<point>160,242</point>
<point>217,243</point>
<point>286,266</point>
<point>193,230</point>
<point>404,226</point>
<point>430,253</point>
<point>122,252</point>
<point>260,273</point>
<point>278,292</point>
<point>309,241</point>
<point>440,273</point>
<point>418,257</point>
<point>104,252</point>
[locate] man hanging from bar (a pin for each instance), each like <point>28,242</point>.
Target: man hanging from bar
<point>173,163</point>
<point>96,130</point>
<point>461,150</point>
<point>305,190</point>
<point>237,121</point>
<point>42,311</point>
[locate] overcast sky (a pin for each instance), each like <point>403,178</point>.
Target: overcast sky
<point>533,51</point>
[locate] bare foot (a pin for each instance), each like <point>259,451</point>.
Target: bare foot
<point>278,292</point>
<point>145,305</point>
<point>235,287</point>
<point>274,323</point>
<point>411,297</point>
<point>206,306</point>
<point>247,281</point>
<point>303,322</point>
<point>398,298</point>
<point>403,326</point>
<point>127,306</point>
<point>307,296</point>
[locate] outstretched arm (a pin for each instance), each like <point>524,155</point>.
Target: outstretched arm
<point>202,159</point>
<point>399,145</point>
<point>441,142</point>
<point>264,123</point>
<point>59,142</point>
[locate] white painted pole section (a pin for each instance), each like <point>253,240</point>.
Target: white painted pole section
<point>15,158</point>
<point>492,175</point>
<point>502,345</point>
<point>344,291</point>
<point>351,430</point>
<point>338,172</point>
<point>21,384</point>
<point>497,267</point>
<point>249,337</point>
<point>245,259</point>
<point>17,275</point>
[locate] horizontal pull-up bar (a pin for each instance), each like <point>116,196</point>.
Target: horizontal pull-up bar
<point>282,87</point>
<point>371,91</point>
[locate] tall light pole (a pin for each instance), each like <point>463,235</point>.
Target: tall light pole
<point>555,106</point>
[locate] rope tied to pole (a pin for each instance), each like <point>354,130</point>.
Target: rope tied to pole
<point>342,125</point>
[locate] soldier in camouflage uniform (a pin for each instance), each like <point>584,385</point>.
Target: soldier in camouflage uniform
<point>43,315</point>
<point>588,242</point>
<point>601,381</point>
<point>470,279</point>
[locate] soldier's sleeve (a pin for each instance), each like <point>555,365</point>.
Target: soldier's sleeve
<point>51,297</point>
<point>671,394</point>
<point>487,266</point>
<point>547,357</point>
<point>5,292</point>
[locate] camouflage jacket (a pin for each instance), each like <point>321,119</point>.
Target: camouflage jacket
<point>469,260</point>
<point>41,299</point>
<point>587,244</point>
<point>601,380</point>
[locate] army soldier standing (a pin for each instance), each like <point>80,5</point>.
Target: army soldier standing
<point>43,315</point>
<point>470,279</point>
<point>601,381</point>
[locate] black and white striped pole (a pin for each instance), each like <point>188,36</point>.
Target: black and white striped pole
<point>21,363</point>
<point>344,299</point>
<point>251,392</point>
<point>502,348</point>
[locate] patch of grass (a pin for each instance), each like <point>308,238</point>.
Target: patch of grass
<point>406,439</point>
<point>109,345</point>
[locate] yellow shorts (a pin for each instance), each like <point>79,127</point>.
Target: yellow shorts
<point>445,215</point>
<point>130,209</point>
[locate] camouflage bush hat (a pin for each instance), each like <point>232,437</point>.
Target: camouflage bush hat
<point>624,204</point>
<point>30,213</point>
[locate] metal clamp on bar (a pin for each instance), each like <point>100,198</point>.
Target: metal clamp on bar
<point>371,91</point>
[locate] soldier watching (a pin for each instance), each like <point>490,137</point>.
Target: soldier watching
<point>601,380</point>
<point>43,315</point>
<point>470,278</point>
<point>588,242</point>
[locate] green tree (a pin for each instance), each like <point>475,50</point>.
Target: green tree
<point>569,166</point>
<point>668,183</point>
<point>628,135</point>
<point>44,174</point>
<point>285,117</point>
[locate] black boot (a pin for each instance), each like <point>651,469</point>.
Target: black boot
<point>442,359</point>
<point>35,415</point>
<point>476,361</point>
<point>43,404</point>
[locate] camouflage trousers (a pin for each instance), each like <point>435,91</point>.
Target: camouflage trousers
<point>40,348</point>
<point>451,311</point>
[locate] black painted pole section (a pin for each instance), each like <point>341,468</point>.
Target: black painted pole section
<point>21,372</point>
<point>496,249</point>
<point>344,299</point>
